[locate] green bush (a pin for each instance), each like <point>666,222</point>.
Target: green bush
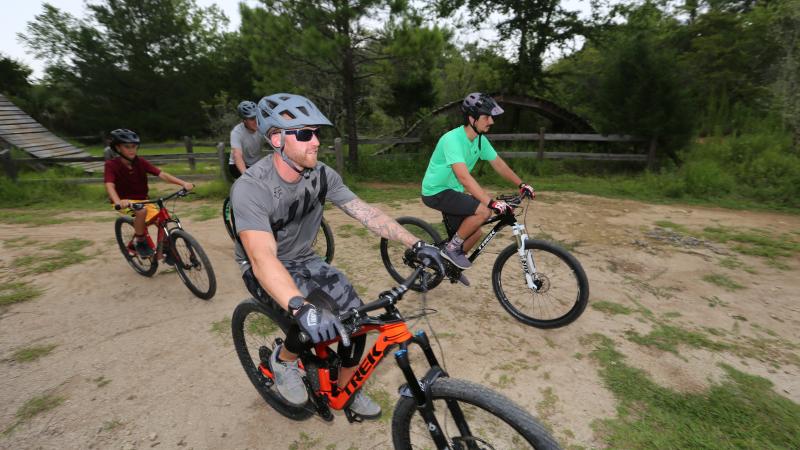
<point>706,179</point>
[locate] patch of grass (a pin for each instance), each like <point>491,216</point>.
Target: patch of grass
<point>101,381</point>
<point>32,217</point>
<point>385,401</point>
<point>18,291</point>
<point>69,245</point>
<point>33,407</point>
<point>741,412</point>
<point>611,307</point>
<point>570,246</point>
<point>722,281</point>
<point>714,301</point>
<point>754,242</point>
<point>204,213</point>
<point>261,326</point>
<point>22,241</point>
<point>68,254</point>
<point>668,337</point>
<point>110,425</point>
<point>673,226</point>
<point>221,327</point>
<point>304,442</point>
<point>33,353</point>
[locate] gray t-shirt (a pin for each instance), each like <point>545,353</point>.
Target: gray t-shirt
<point>292,212</point>
<point>249,143</point>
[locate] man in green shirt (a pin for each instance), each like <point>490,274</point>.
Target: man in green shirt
<point>448,176</point>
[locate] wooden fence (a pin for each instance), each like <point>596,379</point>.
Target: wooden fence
<point>10,168</point>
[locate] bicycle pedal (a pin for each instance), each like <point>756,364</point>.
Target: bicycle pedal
<point>352,417</point>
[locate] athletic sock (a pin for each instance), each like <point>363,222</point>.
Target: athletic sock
<point>455,243</point>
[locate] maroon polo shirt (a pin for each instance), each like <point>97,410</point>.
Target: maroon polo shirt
<point>130,182</point>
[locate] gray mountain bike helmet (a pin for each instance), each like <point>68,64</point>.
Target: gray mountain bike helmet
<point>123,136</point>
<point>478,104</point>
<point>247,109</point>
<point>287,111</point>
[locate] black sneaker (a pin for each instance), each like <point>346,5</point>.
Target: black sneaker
<point>143,249</point>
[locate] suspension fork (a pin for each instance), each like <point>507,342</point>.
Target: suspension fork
<point>525,257</point>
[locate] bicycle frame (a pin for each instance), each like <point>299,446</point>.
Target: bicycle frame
<point>520,235</point>
<point>322,370</point>
<point>162,221</point>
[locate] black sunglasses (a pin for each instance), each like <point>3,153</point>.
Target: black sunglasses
<point>304,135</point>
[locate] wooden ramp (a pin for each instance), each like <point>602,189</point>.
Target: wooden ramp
<point>20,130</point>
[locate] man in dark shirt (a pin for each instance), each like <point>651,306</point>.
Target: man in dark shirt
<point>126,182</point>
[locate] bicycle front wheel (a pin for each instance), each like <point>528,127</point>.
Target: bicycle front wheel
<point>323,242</point>
<point>560,289</point>
<point>192,264</point>
<point>123,229</point>
<point>470,416</point>
<point>392,253</point>
<point>255,328</point>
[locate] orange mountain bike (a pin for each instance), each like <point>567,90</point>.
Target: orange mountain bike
<point>173,245</point>
<point>434,411</point>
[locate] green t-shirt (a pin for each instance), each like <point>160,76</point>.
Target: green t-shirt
<point>454,147</point>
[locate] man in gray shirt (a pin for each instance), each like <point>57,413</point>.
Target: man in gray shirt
<point>246,141</point>
<point>277,208</point>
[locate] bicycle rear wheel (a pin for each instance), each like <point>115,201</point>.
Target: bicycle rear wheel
<point>226,217</point>
<point>392,253</point>
<point>323,242</point>
<point>486,420</point>
<point>192,264</point>
<point>255,328</point>
<point>123,229</point>
<point>560,292</point>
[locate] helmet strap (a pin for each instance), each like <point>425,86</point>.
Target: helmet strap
<point>472,125</point>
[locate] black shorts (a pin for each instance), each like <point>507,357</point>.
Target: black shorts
<point>455,207</point>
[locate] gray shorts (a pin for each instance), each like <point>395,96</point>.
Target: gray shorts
<point>314,275</point>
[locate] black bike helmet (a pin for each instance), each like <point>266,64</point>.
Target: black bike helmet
<point>247,109</point>
<point>478,104</point>
<point>124,136</point>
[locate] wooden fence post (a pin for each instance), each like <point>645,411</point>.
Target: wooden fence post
<point>337,148</point>
<point>8,164</point>
<point>223,162</point>
<point>651,153</point>
<point>187,142</point>
<point>540,156</point>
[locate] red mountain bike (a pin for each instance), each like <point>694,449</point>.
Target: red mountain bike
<point>434,411</point>
<point>173,245</point>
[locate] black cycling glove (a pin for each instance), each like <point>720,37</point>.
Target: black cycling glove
<point>320,324</point>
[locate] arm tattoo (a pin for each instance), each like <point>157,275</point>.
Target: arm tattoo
<point>378,222</point>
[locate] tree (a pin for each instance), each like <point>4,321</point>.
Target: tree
<point>14,77</point>
<point>141,64</point>
<point>320,48</point>
<point>536,25</point>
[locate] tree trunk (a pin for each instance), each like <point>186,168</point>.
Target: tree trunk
<point>349,85</point>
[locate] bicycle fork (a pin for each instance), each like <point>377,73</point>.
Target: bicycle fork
<point>420,391</point>
<point>525,257</point>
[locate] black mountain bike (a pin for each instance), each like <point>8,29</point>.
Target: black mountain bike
<point>322,245</point>
<point>538,282</point>
<point>173,245</point>
<point>434,411</point>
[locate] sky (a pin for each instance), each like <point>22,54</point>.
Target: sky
<point>17,13</point>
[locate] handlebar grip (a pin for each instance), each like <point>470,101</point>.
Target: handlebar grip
<point>117,206</point>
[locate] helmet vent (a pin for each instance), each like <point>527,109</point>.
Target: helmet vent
<point>303,110</point>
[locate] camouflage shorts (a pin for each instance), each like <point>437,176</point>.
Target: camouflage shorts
<point>310,276</point>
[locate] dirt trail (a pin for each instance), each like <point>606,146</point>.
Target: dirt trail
<point>139,365</point>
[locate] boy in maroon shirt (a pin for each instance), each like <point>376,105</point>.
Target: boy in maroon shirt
<point>126,182</point>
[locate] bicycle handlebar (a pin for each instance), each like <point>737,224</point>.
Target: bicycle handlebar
<point>139,205</point>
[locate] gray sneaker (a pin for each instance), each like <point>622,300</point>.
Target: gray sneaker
<point>288,379</point>
<point>364,406</point>
<point>457,257</point>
